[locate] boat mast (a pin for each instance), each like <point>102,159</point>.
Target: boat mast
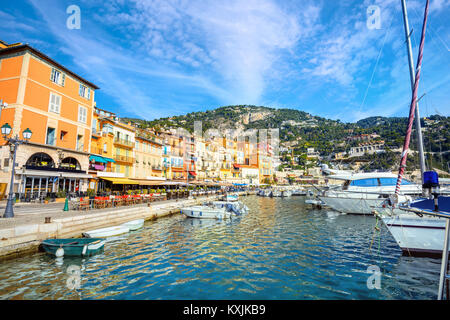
<point>412,108</point>
<point>413,79</point>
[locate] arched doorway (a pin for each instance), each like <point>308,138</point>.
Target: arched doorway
<point>41,179</point>
<point>69,183</point>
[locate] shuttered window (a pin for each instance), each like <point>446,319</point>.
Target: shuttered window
<point>58,77</point>
<point>55,103</point>
<point>82,114</point>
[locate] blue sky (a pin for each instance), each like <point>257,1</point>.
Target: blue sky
<point>160,58</point>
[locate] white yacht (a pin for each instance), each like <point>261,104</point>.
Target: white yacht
<point>361,193</point>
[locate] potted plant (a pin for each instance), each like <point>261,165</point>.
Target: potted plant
<point>47,199</point>
<point>61,196</point>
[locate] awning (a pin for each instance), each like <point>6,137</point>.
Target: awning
<point>75,175</point>
<point>120,180</point>
<point>100,159</point>
<point>192,173</point>
<point>39,173</point>
<point>144,182</point>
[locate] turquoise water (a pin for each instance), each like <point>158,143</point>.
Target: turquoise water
<point>280,250</point>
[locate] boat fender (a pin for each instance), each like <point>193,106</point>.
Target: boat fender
<point>59,252</point>
<point>84,249</point>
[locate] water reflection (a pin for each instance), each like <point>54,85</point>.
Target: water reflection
<point>281,250</point>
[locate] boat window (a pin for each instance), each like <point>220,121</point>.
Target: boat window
<point>392,182</point>
<point>372,182</point>
<point>344,187</point>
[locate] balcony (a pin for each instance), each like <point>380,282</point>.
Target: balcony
<point>97,150</point>
<point>122,142</point>
<point>156,168</point>
<point>124,159</point>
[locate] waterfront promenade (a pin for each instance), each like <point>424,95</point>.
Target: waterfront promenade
<point>23,233</point>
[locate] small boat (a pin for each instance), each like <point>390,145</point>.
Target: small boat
<point>235,207</point>
<point>106,232</point>
<point>286,193</point>
<point>298,192</point>
<point>134,224</point>
<point>206,212</point>
<point>276,193</point>
<point>231,197</point>
<point>73,247</point>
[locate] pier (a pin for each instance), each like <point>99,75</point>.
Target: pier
<point>35,223</point>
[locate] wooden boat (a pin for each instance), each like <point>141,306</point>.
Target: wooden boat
<point>134,224</point>
<point>106,232</point>
<point>73,247</point>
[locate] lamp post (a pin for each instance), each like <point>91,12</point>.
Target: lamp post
<point>14,144</point>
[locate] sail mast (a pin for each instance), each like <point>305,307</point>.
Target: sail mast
<point>413,76</point>
<point>413,105</point>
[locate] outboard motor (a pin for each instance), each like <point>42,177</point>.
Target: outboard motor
<point>431,184</point>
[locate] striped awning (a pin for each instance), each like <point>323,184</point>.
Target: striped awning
<point>120,180</point>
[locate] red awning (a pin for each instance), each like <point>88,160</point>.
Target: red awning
<point>192,173</point>
<point>236,166</point>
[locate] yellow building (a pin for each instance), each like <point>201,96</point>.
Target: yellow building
<point>148,155</point>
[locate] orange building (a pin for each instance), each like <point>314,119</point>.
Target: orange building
<point>57,105</point>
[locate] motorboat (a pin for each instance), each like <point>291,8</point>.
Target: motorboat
<point>298,192</point>
<point>361,193</point>
<point>106,232</point>
<point>235,207</point>
<point>276,193</point>
<point>231,197</point>
<point>206,212</point>
<point>286,193</point>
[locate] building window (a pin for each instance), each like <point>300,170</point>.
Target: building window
<point>105,147</point>
<point>94,125</point>
<point>58,77</point>
<point>63,134</point>
<point>82,114</point>
<point>55,103</point>
<point>50,140</point>
<point>84,92</point>
<point>79,142</point>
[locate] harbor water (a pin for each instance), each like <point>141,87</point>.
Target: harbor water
<point>282,249</point>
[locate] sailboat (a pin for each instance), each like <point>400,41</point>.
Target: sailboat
<point>415,234</point>
<point>425,228</point>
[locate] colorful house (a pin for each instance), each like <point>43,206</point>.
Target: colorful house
<point>57,105</point>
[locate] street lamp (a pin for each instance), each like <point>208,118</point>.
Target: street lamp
<point>14,144</point>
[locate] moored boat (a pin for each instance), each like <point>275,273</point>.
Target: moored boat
<point>73,246</point>
<point>106,232</point>
<point>235,207</point>
<point>206,212</point>
<point>134,224</point>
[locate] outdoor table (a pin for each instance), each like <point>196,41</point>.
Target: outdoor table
<point>99,203</point>
<point>84,204</point>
